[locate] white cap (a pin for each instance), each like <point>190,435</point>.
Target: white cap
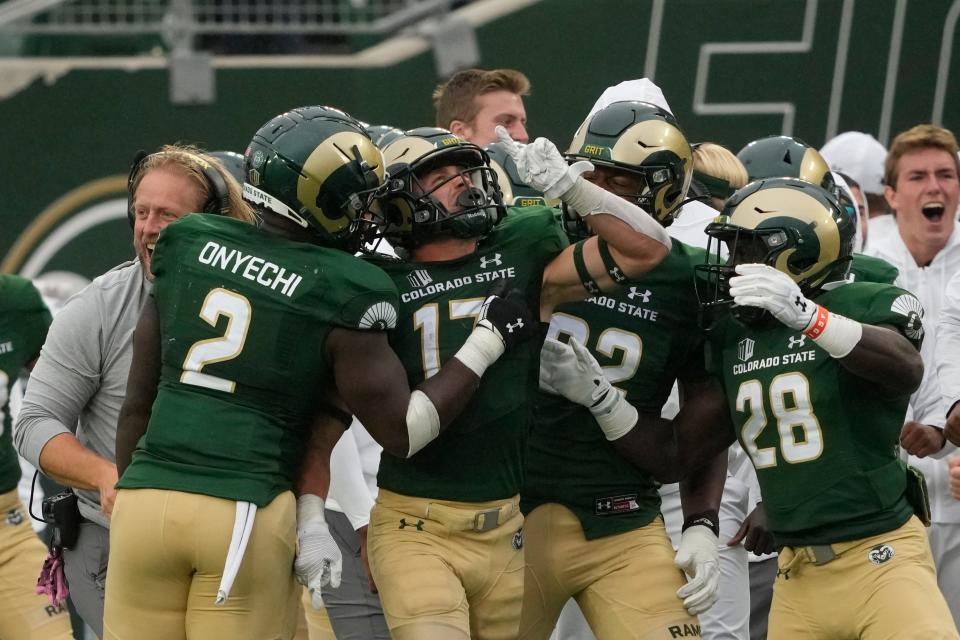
<point>860,156</point>
<point>643,90</point>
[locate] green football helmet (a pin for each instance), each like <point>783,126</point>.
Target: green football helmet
<point>317,167</point>
<point>232,162</point>
<point>785,157</point>
<point>515,192</point>
<point>411,214</point>
<point>790,224</point>
<point>645,140</point>
<point>383,134</point>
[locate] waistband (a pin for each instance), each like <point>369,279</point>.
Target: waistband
<point>458,516</point>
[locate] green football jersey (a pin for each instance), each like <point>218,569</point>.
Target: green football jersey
<point>244,317</point>
<point>24,321</point>
<point>824,441</point>
<point>479,456</point>
<point>645,337</point>
<point>864,268</point>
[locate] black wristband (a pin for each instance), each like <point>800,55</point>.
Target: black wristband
<point>709,519</point>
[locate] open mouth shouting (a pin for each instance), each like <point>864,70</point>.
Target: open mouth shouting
<point>933,211</point>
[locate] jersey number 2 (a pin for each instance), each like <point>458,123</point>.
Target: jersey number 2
<point>219,302</point>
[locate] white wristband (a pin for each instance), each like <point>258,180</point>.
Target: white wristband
<point>310,506</point>
<point>615,415</point>
<point>835,334</point>
<point>481,349</point>
<point>588,199</point>
<point>423,421</point>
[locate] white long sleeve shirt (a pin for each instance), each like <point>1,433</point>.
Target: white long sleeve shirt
<point>928,284</point>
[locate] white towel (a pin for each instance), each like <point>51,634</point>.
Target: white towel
<point>242,525</point>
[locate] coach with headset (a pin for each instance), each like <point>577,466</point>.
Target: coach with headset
<point>67,423</point>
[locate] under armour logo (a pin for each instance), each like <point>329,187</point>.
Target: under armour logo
<point>785,573</point>
<point>14,517</point>
<point>644,297</point>
<point>800,303</point>
<point>797,341</point>
<point>404,524</point>
<point>617,275</point>
<point>516,325</point>
<point>486,262</point>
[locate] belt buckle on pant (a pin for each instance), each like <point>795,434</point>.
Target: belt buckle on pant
<point>822,554</point>
<point>486,520</point>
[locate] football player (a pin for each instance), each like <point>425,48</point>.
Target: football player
<point>593,527</point>
<point>799,358</point>
<point>24,320</point>
<point>445,540</point>
<point>259,325</point>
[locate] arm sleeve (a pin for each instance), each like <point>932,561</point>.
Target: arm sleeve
<point>65,377</point>
<point>347,485</point>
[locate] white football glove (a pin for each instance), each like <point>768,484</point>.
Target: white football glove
<point>760,285</point>
<point>699,558</point>
<point>571,371</point>
<point>318,563</point>
<point>541,166</point>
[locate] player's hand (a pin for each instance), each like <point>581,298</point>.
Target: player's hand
<point>571,371</point>
<point>760,285</point>
<point>318,563</point>
<point>955,476</point>
<point>699,558</point>
<point>921,440</point>
<point>362,534</point>
<point>509,317</point>
<point>541,166</point>
<point>952,429</point>
<point>754,534</point>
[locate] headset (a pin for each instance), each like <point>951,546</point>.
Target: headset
<point>218,202</point>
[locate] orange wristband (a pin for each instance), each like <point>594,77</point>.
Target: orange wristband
<point>819,323</point>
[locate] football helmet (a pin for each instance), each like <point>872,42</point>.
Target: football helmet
<point>785,157</point>
<point>792,225</point>
<point>382,134</point>
<point>645,140</point>
<point>317,167</point>
<point>514,191</point>
<point>411,214</point>
<point>232,162</point>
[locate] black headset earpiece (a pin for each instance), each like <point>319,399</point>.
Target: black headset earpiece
<point>138,159</point>
<point>217,203</point>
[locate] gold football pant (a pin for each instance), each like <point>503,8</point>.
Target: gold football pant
<point>447,570</point>
<point>23,614</point>
<point>167,552</point>
<point>877,588</point>
<point>313,624</point>
<point>626,584</point>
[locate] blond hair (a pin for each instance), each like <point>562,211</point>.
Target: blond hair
<point>191,161</point>
<point>455,98</point>
<point>717,161</point>
<point>921,136</point>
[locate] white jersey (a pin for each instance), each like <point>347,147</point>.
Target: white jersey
<point>928,284</point>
